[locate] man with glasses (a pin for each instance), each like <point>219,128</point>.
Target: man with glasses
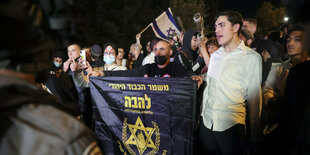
<point>161,68</point>
<point>109,58</point>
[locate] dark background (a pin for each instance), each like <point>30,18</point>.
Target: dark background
<point>102,21</point>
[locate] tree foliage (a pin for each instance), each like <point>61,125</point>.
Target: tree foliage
<point>268,17</point>
<point>186,9</point>
<point>99,22</point>
<point>102,21</point>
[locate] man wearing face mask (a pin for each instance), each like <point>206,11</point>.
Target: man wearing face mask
<point>58,59</point>
<point>109,58</point>
<point>58,82</point>
<point>161,68</point>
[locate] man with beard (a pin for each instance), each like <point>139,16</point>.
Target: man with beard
<point>247,37</point>
<point>135,53</point>
<point>161,68</point>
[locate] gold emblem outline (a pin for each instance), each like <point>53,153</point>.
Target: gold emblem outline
<point>157,138</point>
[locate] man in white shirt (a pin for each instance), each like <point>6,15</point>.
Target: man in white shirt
<point>150,58</point>
<point>233,85</point>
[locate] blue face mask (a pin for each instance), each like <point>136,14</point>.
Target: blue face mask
<point>57,64</point>
<point>108,59</point>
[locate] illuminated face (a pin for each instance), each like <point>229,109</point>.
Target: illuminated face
<point>194,43</point>
<point>109,51</point>
<point>74,51</point>
<point>295,42</point>
<point>223,30</point>
<point>120,54</point>
<point>163,48</point>
<point>248,26</point>
<point>132,51</point>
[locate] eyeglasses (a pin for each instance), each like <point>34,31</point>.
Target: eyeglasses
<point>160,49</point>
<point>109,53</point>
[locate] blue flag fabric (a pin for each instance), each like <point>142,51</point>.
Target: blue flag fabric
<point>140,115</point>
<point>164,26</point>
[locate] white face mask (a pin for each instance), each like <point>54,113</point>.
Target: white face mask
<point>109,59</point>
<point>57,64</point>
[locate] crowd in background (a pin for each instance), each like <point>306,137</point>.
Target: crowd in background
<point>257,101</point>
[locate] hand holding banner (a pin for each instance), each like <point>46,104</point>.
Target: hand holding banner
<point>144,115</point>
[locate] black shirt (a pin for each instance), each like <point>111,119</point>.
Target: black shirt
<point>296,116</point>
<point>137,63</point>
<point>151,70</point>
<point>61,85</point>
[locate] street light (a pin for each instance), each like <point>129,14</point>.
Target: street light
<point>285,19</point>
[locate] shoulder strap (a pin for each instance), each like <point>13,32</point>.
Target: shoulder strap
<point>114,68</point>
<point>185,64</point>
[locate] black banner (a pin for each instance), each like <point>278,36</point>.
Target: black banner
<point>140,115</point>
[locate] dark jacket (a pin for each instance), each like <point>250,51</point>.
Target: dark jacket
<point>31,123</point>
<point>61,85</point>
<point>138,63</point>
<point>275,50</point>
<point>151,70</point>
<point>186,56</point>
<point>297,113</point>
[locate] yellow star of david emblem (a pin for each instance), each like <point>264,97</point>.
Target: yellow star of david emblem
<point>142,138</point>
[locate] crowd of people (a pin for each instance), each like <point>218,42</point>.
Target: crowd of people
<point>247,89</point>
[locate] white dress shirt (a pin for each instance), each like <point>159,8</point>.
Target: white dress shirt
<point>233,82</point>
<point>149,59</point>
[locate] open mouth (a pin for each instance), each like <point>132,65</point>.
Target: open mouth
<point>219,37</point>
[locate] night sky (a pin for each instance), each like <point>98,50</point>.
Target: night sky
<point>247,8</point>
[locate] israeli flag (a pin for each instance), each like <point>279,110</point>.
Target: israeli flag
<point>164,26</point>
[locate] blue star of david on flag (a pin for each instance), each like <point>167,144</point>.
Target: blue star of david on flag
<point>164,25</point>
<point>171,32</point>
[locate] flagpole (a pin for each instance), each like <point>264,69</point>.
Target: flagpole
<point>145,28</point>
